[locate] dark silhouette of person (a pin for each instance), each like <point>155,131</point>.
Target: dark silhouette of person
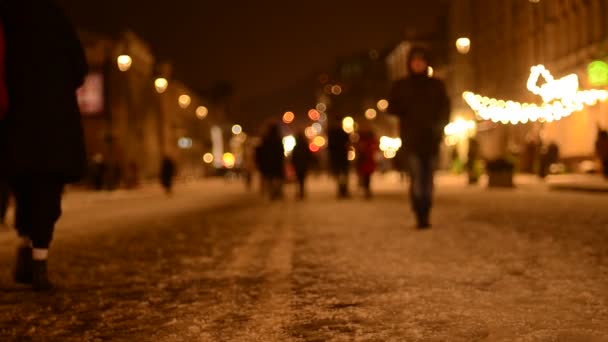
<point>5,195</point>
<point>41,137</point>
<point>4,188</point>
<point>601,148</point>
<point>423,107</point>
<point>167,173</point>
<point>338,145</point>
<point>366,147</point>
<point>472,156</point>
<point>302,159</point>
<point>271,161</point>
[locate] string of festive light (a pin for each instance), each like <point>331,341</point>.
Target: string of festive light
<point>561,98</point>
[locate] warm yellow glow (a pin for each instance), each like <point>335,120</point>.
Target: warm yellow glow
<point>184,101</point>
<point>288,117</point>
<point>314,114</point>
<point>289,143</point>
<point>229,160</point>
<point>382,105</point>
<point>310,132</point>
<point>161,85</point>
<point>336,90</point>
<point>430,71</point>
<point>460,127</point>
<point>560,97</point>
<point>237,129</point>
<point>348,124</point>
<point>319,141</point>
<point>352,154</point>
<point>208,158</point>
<point>124,62</point>
<point>371,114</point>
<point>463,45</point>
<point>390,144</point>
<point>202,112</point>
<point>389,154</point>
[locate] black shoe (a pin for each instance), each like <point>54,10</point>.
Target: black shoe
<point>40,277</point>
<point>23,268</point>
<point>423,225</point>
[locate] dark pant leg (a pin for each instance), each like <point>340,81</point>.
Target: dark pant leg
<point>366,180</point>
<point>4,199</point>
<point>421,184</point>
<point>301,185</point>
<point>38,207</point>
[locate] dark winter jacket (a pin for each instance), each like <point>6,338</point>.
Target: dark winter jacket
<point>42,133</point>
<point>338,144</point>
<point>301,156</point>
<point>423,107</point>
<point>272,154</point>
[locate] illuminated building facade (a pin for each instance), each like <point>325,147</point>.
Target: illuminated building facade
<point>509,37</point>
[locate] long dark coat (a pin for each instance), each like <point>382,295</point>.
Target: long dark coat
<point>41,134</point>
<point>423,107</point>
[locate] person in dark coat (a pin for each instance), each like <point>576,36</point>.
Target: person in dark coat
<point>41,138</point>
<point>271,161</point>
<point>301,158</point>
<point>423,107</point>
<point>338,145</point>
<point>366,147</point>
<point>601,148</point>
<point>167,172</point>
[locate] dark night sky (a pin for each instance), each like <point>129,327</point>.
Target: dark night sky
<point>260,46</point>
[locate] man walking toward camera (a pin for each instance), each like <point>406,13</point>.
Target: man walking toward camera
<point>423,107</point>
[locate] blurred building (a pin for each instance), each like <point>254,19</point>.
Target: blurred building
<point>506,39</point>
<point>130,119</point>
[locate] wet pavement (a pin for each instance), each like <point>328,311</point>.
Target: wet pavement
<point>215,263</point>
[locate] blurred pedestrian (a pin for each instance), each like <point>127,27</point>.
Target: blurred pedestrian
<point>4,188</point>
<point>601,148</point>
<point>5,195</point>
<point>366,149</point>
<point>41,138</point>
<point>471,165</point>
<point>272,161</point>
<point>423,107</point>
<point>167,173</point>
<point>302,159</point>
<point>338,146</point>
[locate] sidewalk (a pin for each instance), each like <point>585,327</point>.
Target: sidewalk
<point>578,182</point>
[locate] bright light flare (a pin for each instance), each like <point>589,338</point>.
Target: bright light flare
<point>202,112</point>
<point>184,101</point>
<point>124,62</point>
<point>237,129</point>
<point>348,124</point>
<point>289,143</point>
<point>288,117</point>
<point>463,45</point>
<point>208,158</point>
<point>382,105</point>
<point>161,84</point>
<point>371,114</point>
<point>229,160</point>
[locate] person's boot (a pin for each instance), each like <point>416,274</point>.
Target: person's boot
<point>422,220</point>
<point>23,267</point>
<point>40,277</point>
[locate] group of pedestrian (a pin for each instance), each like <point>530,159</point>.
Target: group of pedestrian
<point>422,105</point>
<point>42,64</point>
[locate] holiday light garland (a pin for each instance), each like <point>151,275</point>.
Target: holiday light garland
<point>560,97</point>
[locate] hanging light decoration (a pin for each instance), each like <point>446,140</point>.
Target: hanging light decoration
<point>560,97</point>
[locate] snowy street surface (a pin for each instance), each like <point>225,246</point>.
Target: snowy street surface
<point>217,263</point>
